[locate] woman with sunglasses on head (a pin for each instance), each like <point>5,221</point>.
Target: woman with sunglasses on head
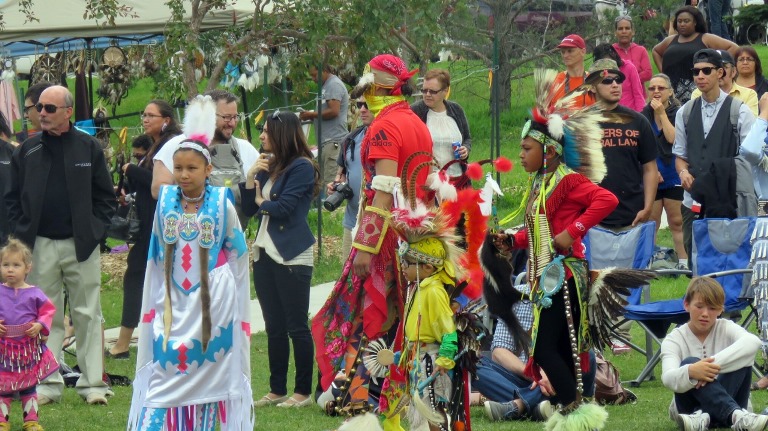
<point>445,120</point>
<point>674,55</point>
<point>660,112</point>
<point>278,189</point>
<point>750,70</point>
<point>160,125</point>
<point>632,91</point>
<point>630,51</point>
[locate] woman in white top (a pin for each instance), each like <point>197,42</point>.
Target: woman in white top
<point>279,189</point>
<point>445,120</point>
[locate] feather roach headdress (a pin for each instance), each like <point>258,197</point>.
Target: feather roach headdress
<point>428,237</point>
<point>575,134</point>
<point>200,125</point>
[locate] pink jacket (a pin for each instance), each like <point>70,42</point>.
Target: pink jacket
<point>638,55</point>
<point>632,90</point>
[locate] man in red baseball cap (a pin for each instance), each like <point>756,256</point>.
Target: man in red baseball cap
<point>572,50</point>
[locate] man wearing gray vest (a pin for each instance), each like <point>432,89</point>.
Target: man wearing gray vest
<point>708,131</point>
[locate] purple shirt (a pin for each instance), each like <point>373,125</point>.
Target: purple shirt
<point>20,306</point>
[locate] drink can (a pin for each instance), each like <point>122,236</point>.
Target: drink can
<point>456,146</point>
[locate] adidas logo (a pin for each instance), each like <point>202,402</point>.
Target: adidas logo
<point>380,140</point>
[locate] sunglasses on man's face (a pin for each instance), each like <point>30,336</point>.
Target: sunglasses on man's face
<point>611,79</point>
<point>361,105</point>
<point>49,107</point>
<point>430,91</point>
<point>707,70</point>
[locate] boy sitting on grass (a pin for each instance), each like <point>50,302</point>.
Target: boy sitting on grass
<point>708,364</point>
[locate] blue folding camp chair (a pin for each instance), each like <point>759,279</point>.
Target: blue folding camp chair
<point>721,249</point>
<point>632,248</point>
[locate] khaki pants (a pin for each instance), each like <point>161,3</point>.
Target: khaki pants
<point>328,165</point>
<point>55,269</point>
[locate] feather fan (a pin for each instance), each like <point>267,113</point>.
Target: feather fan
<point>606,299</point>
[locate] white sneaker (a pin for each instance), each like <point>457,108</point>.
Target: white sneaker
<point>673,411</point>
<point>696,421</point>
<point>746,421</point>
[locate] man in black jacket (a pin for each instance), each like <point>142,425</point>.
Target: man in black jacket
<point>60,203</point>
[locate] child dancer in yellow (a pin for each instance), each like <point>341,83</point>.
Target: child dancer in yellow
<point>428,257</point>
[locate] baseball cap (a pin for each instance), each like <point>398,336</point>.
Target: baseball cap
<point>572,41</point>
<point>709,56</point>
<point>727,57</point>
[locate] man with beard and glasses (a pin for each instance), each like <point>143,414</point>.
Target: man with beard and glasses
<point>230,156</point>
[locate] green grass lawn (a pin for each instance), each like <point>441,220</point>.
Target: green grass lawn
<point>470,89</point>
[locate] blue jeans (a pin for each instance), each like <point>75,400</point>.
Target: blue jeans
<point>283,293</point>
<point>729,392</point>
<point>716,9</point>
<point>499,384</point>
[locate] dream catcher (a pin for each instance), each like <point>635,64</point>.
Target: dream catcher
<point>135,61</point>
<point>198,63</point>
<point>7,69</point>
<point>115,76</point>
<point>149,62</point>
<point>82,62</point>
<point>251,69</point>
<point>46,68</point>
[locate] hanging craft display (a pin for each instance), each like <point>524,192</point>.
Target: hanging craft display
<point>115,76</point>
<point>7,74</point>
<point>201,71</point>
<point>45,69</point>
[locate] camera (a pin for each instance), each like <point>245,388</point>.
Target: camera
<point>341,191</point>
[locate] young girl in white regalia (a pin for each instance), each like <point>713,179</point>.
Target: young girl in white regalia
<point>193,368</point>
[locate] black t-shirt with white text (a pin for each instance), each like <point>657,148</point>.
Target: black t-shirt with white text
<point>626,148</point>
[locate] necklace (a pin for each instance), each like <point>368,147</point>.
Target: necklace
<point>196,201</point>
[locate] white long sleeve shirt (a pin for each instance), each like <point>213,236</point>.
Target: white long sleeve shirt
<point>731,345</point>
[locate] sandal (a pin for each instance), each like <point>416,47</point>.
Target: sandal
<point>294,403</point>
<point>267,401</point>
<point>67,342</point>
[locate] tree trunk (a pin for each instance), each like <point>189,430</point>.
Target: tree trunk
<point>504,77</point>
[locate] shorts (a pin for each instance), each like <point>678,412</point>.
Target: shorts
<point>673,193</point>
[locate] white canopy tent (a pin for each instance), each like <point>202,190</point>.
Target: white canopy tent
<point>61,22</point>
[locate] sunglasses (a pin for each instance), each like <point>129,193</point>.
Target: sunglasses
<point>654,88</point>
<point>611,79</point>
<point>49,107</point>
<point>622,18</point>
<point>707,70</point>
<point>361,105</point>
<point>431,92</point>
<point>276,116</point>
<point>27,108</point>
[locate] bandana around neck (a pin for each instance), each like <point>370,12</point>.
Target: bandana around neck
<point>377,103</point>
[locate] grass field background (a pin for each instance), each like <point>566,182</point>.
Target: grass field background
<point>470,88</point>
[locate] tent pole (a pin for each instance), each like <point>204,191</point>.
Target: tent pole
<point>88,54</point>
